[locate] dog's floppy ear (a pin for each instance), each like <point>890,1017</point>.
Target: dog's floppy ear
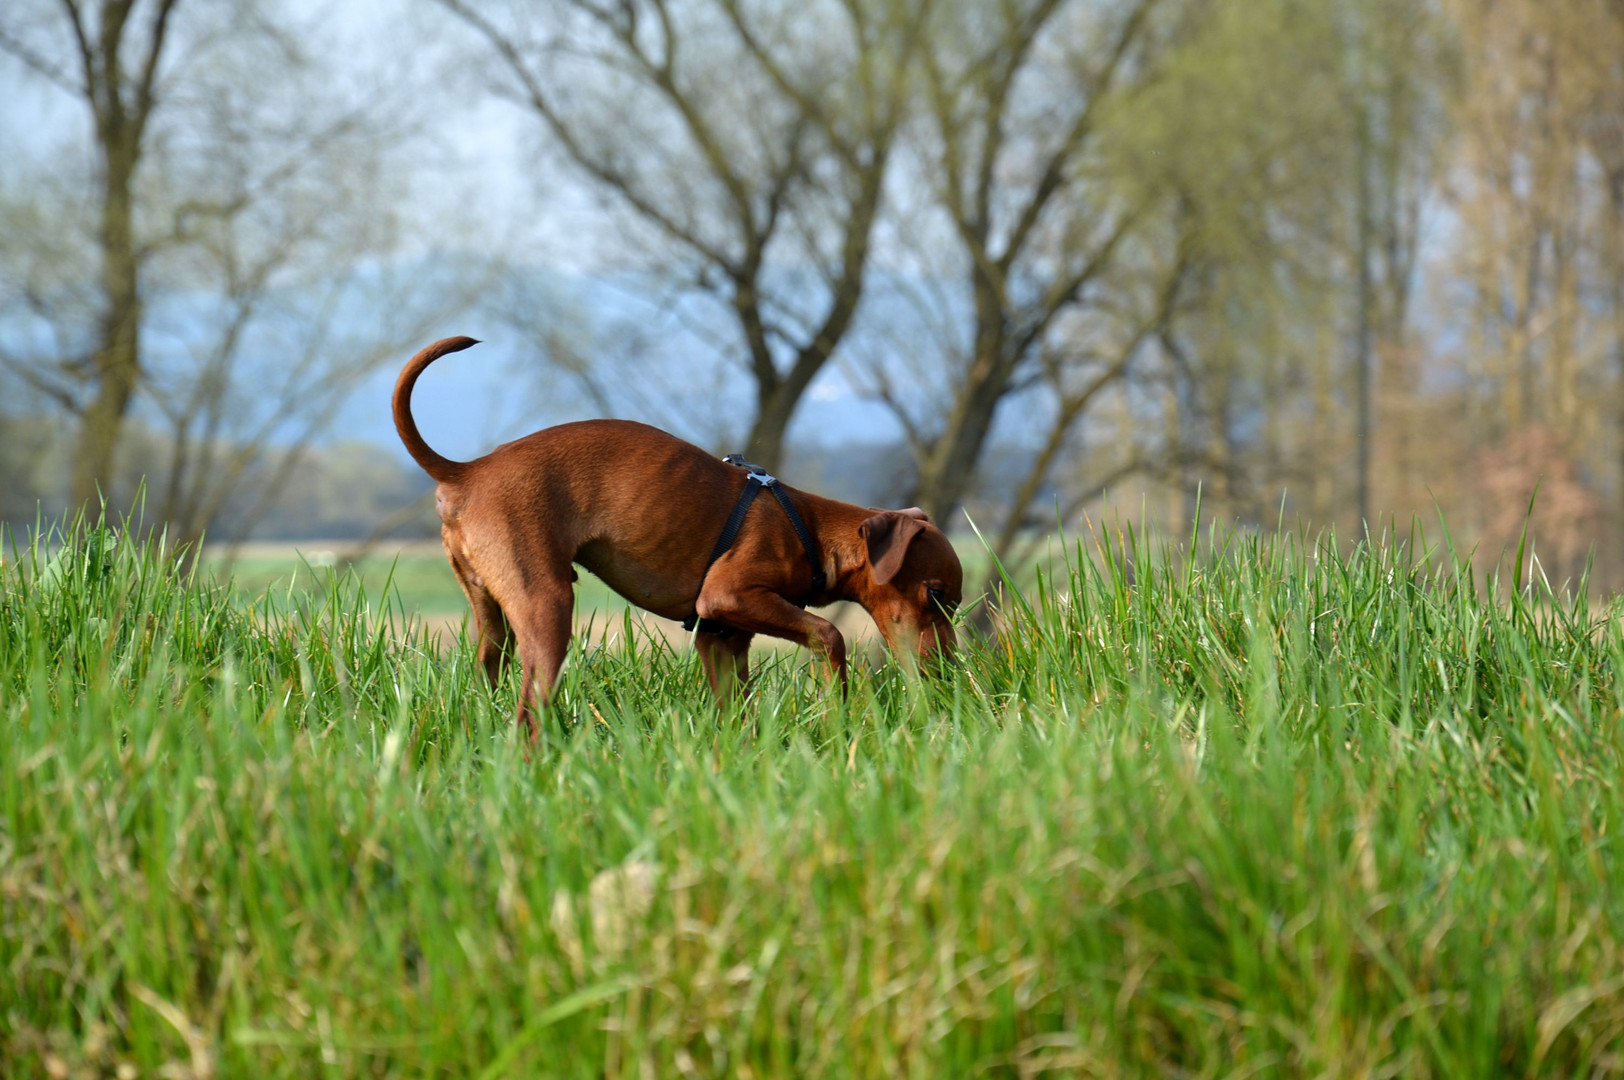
<point>888,534</point>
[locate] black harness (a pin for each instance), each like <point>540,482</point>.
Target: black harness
<point>758,478</point>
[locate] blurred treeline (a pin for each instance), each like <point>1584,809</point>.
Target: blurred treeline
<point>1323,261</point>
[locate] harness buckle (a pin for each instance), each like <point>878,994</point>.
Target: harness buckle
<point>755,472</point>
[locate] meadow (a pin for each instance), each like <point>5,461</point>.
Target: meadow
<point>1248,806</point>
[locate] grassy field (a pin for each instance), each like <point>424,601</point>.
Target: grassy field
<point>1271,810</point>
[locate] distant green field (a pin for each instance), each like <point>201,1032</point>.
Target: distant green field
<point>421,583</point>
<point>1274,810</point>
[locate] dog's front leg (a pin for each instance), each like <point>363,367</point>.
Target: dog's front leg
<point>726,658</point>
<point>761,611</point>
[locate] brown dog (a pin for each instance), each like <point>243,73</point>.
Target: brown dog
<point>643,510</point>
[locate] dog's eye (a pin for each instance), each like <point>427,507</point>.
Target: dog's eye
<point>935,595</point>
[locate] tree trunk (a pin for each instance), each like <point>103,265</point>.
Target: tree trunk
<point>950,465</point>
<point>776,402</point>
<point>1615,248</point>
<point>118,356</point>
<point>777,397</point>
<point>1363,358</point>
<point>765,444</point>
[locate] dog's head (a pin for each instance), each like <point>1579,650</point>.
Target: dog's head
<point>915,582</point>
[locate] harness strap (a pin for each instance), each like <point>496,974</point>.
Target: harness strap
<point>759,478</point>
<point>819,582</point>
<point>735,520</point>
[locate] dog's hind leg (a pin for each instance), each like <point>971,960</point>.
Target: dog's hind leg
<point>726,660</point>
<point>495,639</point>
<point>540,620</point>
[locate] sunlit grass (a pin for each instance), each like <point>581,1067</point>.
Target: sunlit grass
<point>1279,808</point>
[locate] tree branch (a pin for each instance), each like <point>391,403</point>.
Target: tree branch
<point>1054,170</point>
<point>149,70</point>
<point>42,66</point>
<point>86,54</point>
<point>620,184</point>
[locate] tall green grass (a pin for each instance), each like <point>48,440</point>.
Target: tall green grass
<point>1273,809</point>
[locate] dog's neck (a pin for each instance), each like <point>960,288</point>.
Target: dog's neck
<point>845,554</point>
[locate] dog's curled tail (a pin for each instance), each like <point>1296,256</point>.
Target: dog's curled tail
<point>440,468</point>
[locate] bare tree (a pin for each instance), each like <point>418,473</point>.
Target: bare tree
<point>1534,182</point>
<point>113,68</point>
<point>1013,113</point>
<point>1072,210</point>
<point>236,279</point>
<point>1520,192</point>
<point>268,375</point>
<point>1398,74</point>
<point>747,143</point>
